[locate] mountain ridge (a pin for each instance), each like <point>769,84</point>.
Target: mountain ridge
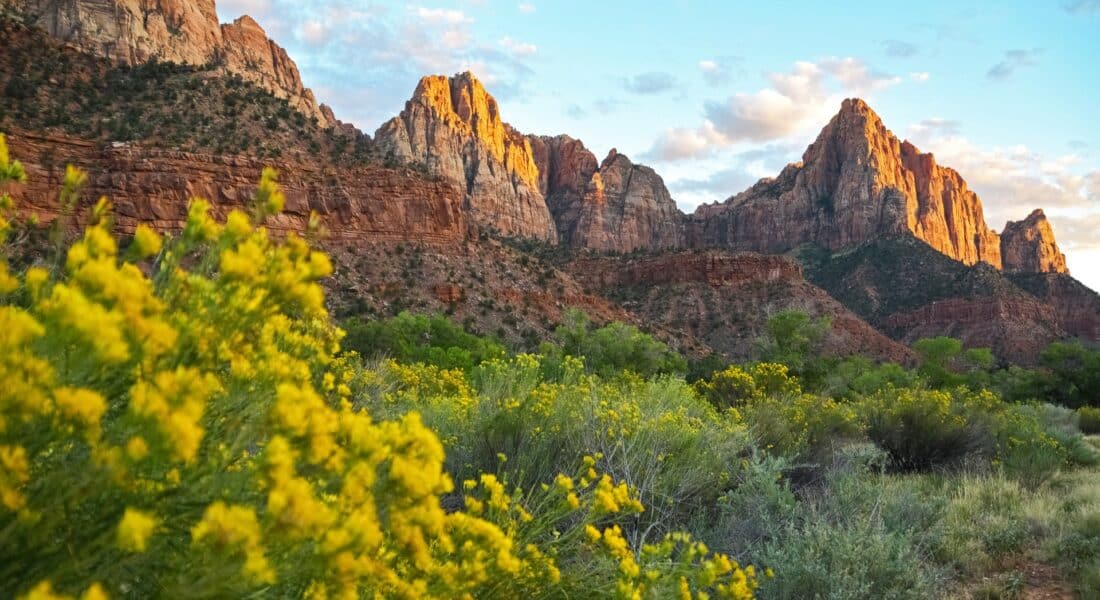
<point>469,174</point>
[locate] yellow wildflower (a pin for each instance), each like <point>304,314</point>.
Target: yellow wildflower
<point>134,530</point>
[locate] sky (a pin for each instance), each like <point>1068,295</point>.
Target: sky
<point>715,95</point>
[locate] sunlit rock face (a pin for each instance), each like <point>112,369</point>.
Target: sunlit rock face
<point>133,32</point>
<point>1028,246</point>
<point>453,127</point>
<point>855,182</point>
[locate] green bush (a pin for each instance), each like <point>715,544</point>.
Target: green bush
<point>418,338</point>
<point>611,349</point>
<point>839,562</point>
<point>926,429</point>
<point>1089,419</point>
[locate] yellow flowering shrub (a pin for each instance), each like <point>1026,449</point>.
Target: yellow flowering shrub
<point>174,421</point>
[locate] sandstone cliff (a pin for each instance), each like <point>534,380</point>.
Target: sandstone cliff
<point>180,31</point>
<point>855,182</point>
<point>147,185</point>
<point>453,127</point>
<point>1028,246</point>
<point>619,206</point>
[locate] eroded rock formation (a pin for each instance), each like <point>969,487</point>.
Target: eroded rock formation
<point>1028,246</point>
<point>453,127</point>
<point>181,31</point>
<point>618,206</point>
<point>855,182</point>
<point>725,299</point>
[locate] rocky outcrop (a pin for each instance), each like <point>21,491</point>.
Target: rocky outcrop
<point>565,168</point>
<point>1017,328</point>
<point>146,185</point>
<point>1077,307</point>
<point>1028,246</point>
<point>855,182</point>
<point>910,291</point>
<point>725,299</point>
<point>619,206</point>
<point>133,32</point>
<point>453,127</point>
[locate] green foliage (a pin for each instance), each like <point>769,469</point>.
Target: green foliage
<point>794,339</point>
<point>856,376</point>
<point>432,339</point>
<point>1073,374</point>
<point>945,364</point>
<point>1089,419</point>
<point>612,349</point>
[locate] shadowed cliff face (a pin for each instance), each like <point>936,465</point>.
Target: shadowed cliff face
<point>133,32</point>
<point>619,206</point>
<point>855,182</point>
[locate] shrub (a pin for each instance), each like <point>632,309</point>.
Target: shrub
<point>418,338</point>
<point>612,349</point>
<point>822,560</point>
<point>922,429</point>
<point>1089,419</point>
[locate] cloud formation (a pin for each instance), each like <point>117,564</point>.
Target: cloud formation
<point>899,49</point>
<point>518,48</point>
<point>653,82</point>
<point>1014,60</point>
<point>810,92</point>
<point>719,71</point>
<point>392,48</point>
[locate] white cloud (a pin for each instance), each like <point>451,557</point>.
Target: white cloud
<point>443,15</point>
<point>934,127</point>
<point>720,70</point>
<point>920,76</point>
<point>807,94</point>
<point>526,7</point>
<point>312,32</point>
<point>518,48</point>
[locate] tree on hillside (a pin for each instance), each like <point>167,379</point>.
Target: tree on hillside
<point>795,339</point>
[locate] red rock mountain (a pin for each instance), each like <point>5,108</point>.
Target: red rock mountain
<point>453,127</point>
<point>550,188</point>
<point>1028,246</point>
<point>619,206</point>
<point>855,182</point>
<point>180,31</point>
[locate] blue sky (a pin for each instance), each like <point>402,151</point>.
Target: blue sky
<point>715,95</point>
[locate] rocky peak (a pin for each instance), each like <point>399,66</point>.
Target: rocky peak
<point>856,181</point>
<point>453,127</point>
<point>133,32</point>
<point>1028,246</point>
<point>626,207</point>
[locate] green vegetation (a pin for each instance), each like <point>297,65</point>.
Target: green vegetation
<point>613,348</point>
<point>417,338</point>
